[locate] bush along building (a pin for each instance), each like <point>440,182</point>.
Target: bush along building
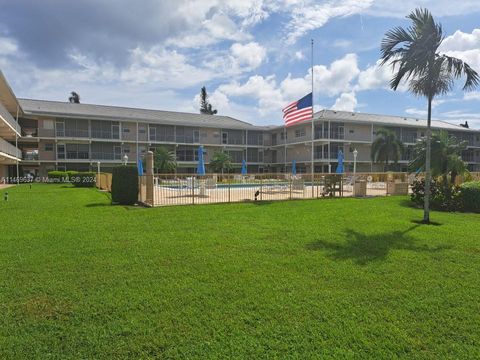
<point>38,136</point>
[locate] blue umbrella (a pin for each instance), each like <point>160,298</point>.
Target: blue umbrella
<point>340,163</point>
<point>140,167</point>
<point>294,168</point>
<point>201,163</point>
<point>244,167</point>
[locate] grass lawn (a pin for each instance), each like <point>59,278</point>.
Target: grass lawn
<point>340,278</point>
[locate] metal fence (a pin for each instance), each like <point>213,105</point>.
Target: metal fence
<point>188,189</point>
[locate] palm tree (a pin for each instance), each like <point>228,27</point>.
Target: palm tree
<point>446,160</point>
<point>205,106</point>
<point>74,98</point>
<point>386,147</point>
<point>413,54</point>
<point>164,160</point>
<point>220,162</point>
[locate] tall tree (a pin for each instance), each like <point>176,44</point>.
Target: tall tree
<point>221,162</point>
<point>446,153</point>
<point>205,106</point>
<point>414,57</point>
<point>386,147</point>
<point>74,98</point>
<point>164,160</point>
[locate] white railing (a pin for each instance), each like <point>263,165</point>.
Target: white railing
<point>5,115</point>
<point>9,149</point>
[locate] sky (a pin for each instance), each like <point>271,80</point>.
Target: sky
<point>253,56</point>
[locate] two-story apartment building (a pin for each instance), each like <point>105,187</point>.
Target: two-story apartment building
<point>66,136</point>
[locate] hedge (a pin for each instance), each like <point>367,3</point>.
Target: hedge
<point>83,179</point>
<point>469,196</point>
<point>125,184</point>
<point>57,176</point>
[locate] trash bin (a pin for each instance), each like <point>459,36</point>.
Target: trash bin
<point>360,188</point>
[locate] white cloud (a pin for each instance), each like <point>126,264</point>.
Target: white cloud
<point>346,102</point>
<point>250,55</point>
<point>166,68</point>
<point>469,96</point>
<point>310,15</point>
<point>8,46</point>
<point>271,96</point>
<point>465,46</point>
<point>299,55</point>
<point>399,9</point>
<point>416,112</point>
<point>240,58</point>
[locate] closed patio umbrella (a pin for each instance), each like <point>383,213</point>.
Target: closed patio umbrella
<point>201,162</point>
<point>294,168</point>
<point>340,163</point>
<point>140,167</point>
<point>244,167</point>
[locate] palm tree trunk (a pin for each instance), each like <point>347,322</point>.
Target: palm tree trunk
<point>428,177</point>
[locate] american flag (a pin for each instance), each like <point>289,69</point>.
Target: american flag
<point>298,111</point>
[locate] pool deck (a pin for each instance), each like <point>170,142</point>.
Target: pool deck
<point>165,196</point>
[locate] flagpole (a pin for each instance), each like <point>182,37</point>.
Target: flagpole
<point>285,148</point>
<point>313,133</point>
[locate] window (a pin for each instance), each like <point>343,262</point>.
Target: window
<point>283,135</point>
<point>60,151</point>
<point>142,129</point>
<point>300,133</point>
<point>48,147</point>
<point>224,138</point>
<point>153,134</point>
<point>196,136</point>
<point>48,124</point>
<point>126,149</point>
<point>126,130</point>
<point>115,131</point>
<point>60,126</point>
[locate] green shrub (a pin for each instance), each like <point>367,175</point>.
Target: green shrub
<point>125,184</point>
<point>57,176</point>
<point>441,197</point>
<point>83,179</point>
<point>469,196</point>
<point>71,173</point>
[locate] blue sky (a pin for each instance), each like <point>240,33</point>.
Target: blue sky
<point>252,55</point>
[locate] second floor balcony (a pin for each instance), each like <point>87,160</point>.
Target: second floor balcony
<point>9,149</point>
<point>106,156</point>
<point>105,134</point>
<point>72,133</point>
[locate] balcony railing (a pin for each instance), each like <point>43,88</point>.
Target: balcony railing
<point>9,149</point>
<point>187,139</point>
<point>162,138</point>
<point>5,115</point>
<point>105,134</point>
<point>72,133</point>
<point>78,155</point>
<point>187,158</point>
<point>106,156</point>
<point>30,156</point>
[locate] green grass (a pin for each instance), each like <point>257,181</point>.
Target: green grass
<point>340,278</point>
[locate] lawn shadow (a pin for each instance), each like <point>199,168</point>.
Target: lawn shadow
<point>363,248</point>
<point>262,202</point>
<point>98,205</point>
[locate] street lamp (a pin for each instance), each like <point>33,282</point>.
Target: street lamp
<point>125,159</point>
<point>355,153</point>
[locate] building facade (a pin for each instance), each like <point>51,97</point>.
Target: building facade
<point>10,131</point>
<point>64,136</point>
